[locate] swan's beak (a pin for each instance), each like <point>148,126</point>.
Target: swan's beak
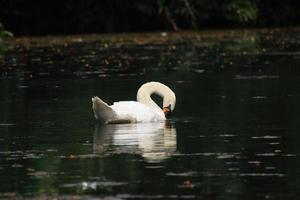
<point>167,110</point>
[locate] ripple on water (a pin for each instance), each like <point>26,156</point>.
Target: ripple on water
<point>227,135</point>
<point>94,185</point>
<point>262,174</point>
<point>225,156</point>
<point>219,155</point>
<point>267,154</point>
<point>159,196</point>
<point>7,124</point>
<point>259,97</point>
<point>38,174</point>
<point>255,162</point>
<point>242,77</point>
<point>275,153</point>
<point>183,174</point>
<point>268,137</point>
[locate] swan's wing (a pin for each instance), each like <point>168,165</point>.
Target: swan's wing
<point>102,111</point>
<point>135,112</point>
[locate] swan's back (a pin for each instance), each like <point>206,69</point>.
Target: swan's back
<point>136,112</point>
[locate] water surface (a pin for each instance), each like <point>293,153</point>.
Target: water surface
<point>234,133</point>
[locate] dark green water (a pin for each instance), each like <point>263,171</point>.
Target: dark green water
<point>235,132</point>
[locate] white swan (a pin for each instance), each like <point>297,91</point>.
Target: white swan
<point>140,111</point>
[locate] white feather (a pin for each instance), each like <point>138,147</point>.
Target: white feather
<point>137,112</point>
<point>141,111</point>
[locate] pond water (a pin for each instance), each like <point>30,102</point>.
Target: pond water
<point>234,134</point>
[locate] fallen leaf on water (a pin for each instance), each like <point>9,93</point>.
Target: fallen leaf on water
<point>188,184</point>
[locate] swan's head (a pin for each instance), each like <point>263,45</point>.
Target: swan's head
<point>167,110</point>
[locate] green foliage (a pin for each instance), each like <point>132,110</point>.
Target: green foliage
<point>241,11</point>
<point>3,33</point>
<point>179,11</point>
<point>191,13</point>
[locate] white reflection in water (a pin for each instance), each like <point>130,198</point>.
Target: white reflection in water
<point>154,141</point>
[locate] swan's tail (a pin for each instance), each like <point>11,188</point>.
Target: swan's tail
<point>102,111</point>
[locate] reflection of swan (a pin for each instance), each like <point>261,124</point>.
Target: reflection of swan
<point>142,110</point>
<point>154,141</point>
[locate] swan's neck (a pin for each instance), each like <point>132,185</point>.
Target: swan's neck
<point>147,100</point>
<point>146,90</point>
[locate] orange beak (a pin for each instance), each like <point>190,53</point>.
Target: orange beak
<point>166,110</point>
